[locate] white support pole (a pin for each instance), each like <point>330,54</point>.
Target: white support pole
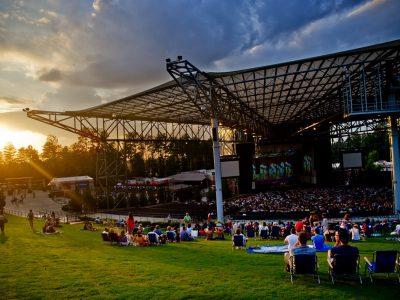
<point>217,167</point>
<point>394,153</point>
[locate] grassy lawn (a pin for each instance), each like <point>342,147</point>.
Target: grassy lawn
<point>78,264</point>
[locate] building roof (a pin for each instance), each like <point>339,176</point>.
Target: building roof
<point>70,179</point>
<point>278,100</point>
<point>189,177</point>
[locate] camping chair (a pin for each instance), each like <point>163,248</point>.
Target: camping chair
<point>275,232</point>
<point>303,264</point>
<point>383,261</point>
<point>113,237</point>
<point>123,241</point>
<point>344,265</point>
<point>238,242</point>
<point>170,236</point>
<point>105,237</point>
<point>153,239</point>
<point>250,232</point>
<point>263,234</point>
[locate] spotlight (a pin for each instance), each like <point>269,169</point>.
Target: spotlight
<point>179,57</point>
<point>168,60</point>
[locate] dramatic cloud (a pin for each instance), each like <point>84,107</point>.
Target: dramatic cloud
<point>71,98</point>
<point>49,75</point>
<point>69,55</point>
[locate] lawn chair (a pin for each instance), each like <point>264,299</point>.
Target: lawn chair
<point>123,241</point>
<point>303,264</point>
<point>238,242</point>
<point>344,265</point>
<point>383,261</point>
<point>250,232</point>
<point>264,234</point>
<point>113,237</point>
<point>152,236</point>
<point>105,237</point>
<point>170,236</point>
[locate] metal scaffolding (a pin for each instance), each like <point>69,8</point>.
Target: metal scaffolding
<point>269,103</point>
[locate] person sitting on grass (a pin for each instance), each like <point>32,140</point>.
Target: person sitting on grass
<point>342,244</point>
<point>300,247</point>
<point>140,239</point>
<point>158,230</point>
<point>355,233</point>
<point>113,236</point>
<point>238,232</point>
<point>123,238</point>
<point>89,226</point>
<point>219,230</point>
<point>209,233</point>
<point>185,237</point>
<point>162,238</point>
<point>319,241</point>
<point>292,238</point>
<point>171,234</point>
<point>49,226</point>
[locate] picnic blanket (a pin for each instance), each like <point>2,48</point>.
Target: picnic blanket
<point>268,249</point>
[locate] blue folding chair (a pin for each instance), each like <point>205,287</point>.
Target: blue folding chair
<point>153,239</point>
<point>238,242</point>
<point>170,236</point>
<point>383,261</point>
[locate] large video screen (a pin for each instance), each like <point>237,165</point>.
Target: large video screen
<point>269,171</point>
<point>230,168</point>
<point>352,160</point>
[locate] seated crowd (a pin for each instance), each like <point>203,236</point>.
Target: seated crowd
<point>326,200</point>
<point>51,222</point>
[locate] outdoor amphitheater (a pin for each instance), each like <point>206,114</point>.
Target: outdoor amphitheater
<point>271,129</point>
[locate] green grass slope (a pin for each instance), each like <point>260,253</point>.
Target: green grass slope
<point>79,265</point>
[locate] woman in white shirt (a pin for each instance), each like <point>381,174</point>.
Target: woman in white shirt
<point>355,233</point>
<point>292,238</point>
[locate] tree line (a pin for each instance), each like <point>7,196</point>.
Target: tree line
<point>158,158</point>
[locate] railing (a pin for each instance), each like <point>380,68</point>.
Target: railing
<point>67,218</point>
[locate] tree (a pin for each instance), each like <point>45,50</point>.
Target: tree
<point>138,166</point>
<point>9,153</point>
<point>51,148</point>
<point>27,154</point>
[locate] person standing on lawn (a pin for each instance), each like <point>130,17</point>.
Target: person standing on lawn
<point>30,218</point>
<point>3,220</point>
<point>187,219</point>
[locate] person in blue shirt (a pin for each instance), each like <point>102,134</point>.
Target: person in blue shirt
<point>185,236</point>
<point>299,248</point>
<point>319,241</point>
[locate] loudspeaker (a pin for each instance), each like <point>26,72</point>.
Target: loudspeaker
<point>245,153</point>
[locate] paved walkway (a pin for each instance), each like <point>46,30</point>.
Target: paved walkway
<point>40,203</point>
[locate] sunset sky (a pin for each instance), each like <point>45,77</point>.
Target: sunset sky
<point>73,54</point>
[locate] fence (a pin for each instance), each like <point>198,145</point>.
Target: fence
<point>64,218</point>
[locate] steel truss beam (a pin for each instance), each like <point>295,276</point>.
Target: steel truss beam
<point>346,129</point>
<point>118,130</point>
<point>230,110</point>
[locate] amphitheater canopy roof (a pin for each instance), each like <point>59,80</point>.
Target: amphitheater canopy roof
<point>286,97</point>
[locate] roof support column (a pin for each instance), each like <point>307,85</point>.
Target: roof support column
<point>394,153</point>
<point>217,167</point>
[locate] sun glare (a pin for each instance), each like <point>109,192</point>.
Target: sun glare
<point>21,138</point>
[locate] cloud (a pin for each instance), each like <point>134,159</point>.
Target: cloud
<point>79,51</point>
<point>11,100</point>
<point>11,103</point>
<point>20,122</point>
<point>49,75</point>
<point>71,98</point>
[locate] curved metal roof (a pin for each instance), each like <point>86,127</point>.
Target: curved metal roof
<point>278,99</point>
